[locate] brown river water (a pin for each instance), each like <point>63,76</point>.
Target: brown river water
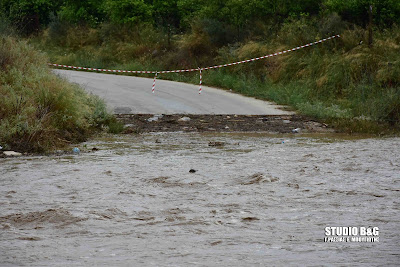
<point>254,200</point>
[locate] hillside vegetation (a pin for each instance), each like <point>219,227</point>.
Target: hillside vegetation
<point>38,110</point>
<point>352,82</point>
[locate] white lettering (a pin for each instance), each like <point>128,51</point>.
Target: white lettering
<point>363,231</point>
<point>340,231</point>
<point>354,231</point>
<point>375,231</point>
<point>350,231</point>
<point>333,230</point>
<point>327,231</point>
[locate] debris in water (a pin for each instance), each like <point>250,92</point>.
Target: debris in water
<point>76,150</point>
<point>184,119</point>
<point>216,143</point>
<point>297,130</point>
<point>296,186</point>
<point>250,219</point>
<point>29,238</point>
<point>216,243</point>
<point>259,178</point>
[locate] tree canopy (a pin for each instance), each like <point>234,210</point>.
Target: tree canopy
<point>241,15</point>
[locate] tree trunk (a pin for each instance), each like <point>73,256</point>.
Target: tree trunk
<point>370,40</point>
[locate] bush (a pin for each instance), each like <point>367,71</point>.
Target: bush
<point>38,110</point>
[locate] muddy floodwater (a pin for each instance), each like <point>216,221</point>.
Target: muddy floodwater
<point>187,199</point>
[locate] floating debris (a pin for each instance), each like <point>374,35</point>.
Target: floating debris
<point>249,219</point>
<point>218,144</point>
<point>259,178</point>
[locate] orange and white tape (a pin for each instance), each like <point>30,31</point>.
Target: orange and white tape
<point>198,69</point>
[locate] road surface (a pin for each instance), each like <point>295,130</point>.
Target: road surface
<point>133,95</point>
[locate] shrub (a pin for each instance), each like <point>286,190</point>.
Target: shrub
<point>38,110</point>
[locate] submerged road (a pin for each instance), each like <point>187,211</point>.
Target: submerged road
<point>128,94</point>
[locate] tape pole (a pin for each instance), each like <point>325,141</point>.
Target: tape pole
<point>154,83</point>
<point>201,80</point>
<point>198,69</point>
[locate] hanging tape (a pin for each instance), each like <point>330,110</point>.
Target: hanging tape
<point>198,69</point>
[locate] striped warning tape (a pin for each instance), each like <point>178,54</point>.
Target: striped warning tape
<point>201,80</point>
<point>154,83</point>
<point>198,69</point>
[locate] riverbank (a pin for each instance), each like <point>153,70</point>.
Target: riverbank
<point>351,82</point>
<point>142,123</point>
<point>40,111</point>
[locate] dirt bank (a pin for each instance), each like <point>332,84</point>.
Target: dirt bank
<point>220,123</point>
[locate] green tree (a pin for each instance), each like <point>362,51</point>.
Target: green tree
<point>243,15</point>
<point>29,15</point>
<point>167,16</point>
<point>385,12</point>
<point>188,10</point>
<point>83,12</point>
<point>128,11</point>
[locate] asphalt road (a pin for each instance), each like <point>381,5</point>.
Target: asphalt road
<point>128,94</point>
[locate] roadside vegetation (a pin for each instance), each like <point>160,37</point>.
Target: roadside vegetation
<point>40,111</point>
<point>352,83</point>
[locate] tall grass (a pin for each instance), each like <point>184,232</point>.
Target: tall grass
<point>38,110</point>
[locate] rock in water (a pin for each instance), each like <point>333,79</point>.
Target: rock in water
<point>155,118</point>
<point>184,119</point>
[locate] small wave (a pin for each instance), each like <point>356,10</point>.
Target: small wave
<point>59,217</point>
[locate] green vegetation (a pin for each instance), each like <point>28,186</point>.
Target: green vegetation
<point>352,82</point>
<point>40,111</point>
